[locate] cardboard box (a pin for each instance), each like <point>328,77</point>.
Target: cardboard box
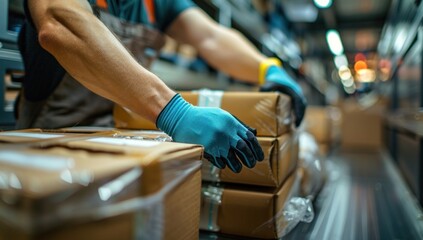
<point>72,187</point>
<point>280,160</point>
<point>180,220</point>
<point>247,212</point>
<point>362,126</point>
<point>268,113</point>
<point>318,123</point>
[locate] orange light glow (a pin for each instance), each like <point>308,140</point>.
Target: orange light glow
<point>359,65</point>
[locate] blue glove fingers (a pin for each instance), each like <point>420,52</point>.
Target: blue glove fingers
<point>218,162</point>
<point>252,142</point>
<point>232,162</point>
<point>245,154</point>
<point>254,146</point>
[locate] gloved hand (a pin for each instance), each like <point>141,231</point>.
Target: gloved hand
<point>225,139</point>
<point>277,79</point>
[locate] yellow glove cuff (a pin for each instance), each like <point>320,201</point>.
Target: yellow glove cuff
<point>264,65</point>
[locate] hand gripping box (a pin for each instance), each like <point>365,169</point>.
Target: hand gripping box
<point>100,188</point>
<point>280,160</point>
<point>256,213</point>
<point>268,113</point>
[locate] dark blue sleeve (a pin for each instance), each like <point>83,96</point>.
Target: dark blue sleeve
<point>28,14</point>
<point>42,71</point>
<point>168,10</point>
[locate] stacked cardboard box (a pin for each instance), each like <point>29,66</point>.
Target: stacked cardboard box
<point>252,202</point>
<point>105,185</point>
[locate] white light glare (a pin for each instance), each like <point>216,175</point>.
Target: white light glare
<point>344,73</point>
<point>323,3</point>
<point>341,61</point>
<point>334,42</point>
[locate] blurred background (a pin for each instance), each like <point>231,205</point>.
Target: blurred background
<point>359,63</point>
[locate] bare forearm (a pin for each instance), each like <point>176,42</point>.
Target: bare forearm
<point>223,48</point>
<point>92,55</point>
<point>237,57</point>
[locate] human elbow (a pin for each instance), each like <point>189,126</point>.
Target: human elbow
<point>48,35</point>
<point>60,24</point>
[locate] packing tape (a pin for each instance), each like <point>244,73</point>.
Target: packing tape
<point>210,98</point>
<point>211,200</point>
<point>210,173</point>
<point>31,135</point>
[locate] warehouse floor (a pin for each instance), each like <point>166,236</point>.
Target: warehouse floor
<point>364,198</point>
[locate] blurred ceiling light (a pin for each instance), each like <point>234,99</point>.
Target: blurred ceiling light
<point>341,60</point>
<point>360,65</point>
<point>323,3</point>
<point>334,42</point>
<point>300,12</point>
<point>348,82</point>
<point>344,73</point>
<point>366,75</point>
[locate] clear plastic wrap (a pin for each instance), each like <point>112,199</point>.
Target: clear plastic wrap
<point>67,193</point>
<point>157,136</point>
<point>258,213</point>
<point>312,165</point>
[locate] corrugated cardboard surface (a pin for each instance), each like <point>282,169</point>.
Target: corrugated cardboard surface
<point>43,191</point>
<point>41,181</point>
<point>268,113</point>
<point>280,160</point>
<point>180,220</point>
<point>148,153</point>
<point>256,214</point>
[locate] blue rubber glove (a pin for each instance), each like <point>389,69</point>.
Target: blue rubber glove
<point>226,140</point>
<point>278,80</point>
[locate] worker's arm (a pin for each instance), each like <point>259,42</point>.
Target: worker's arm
<point>223,48</point>
<point>91,54</point>
<point>228,51</point>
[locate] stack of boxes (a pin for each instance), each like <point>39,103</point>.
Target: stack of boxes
<point>253,202</point>
<point>99,185</point>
